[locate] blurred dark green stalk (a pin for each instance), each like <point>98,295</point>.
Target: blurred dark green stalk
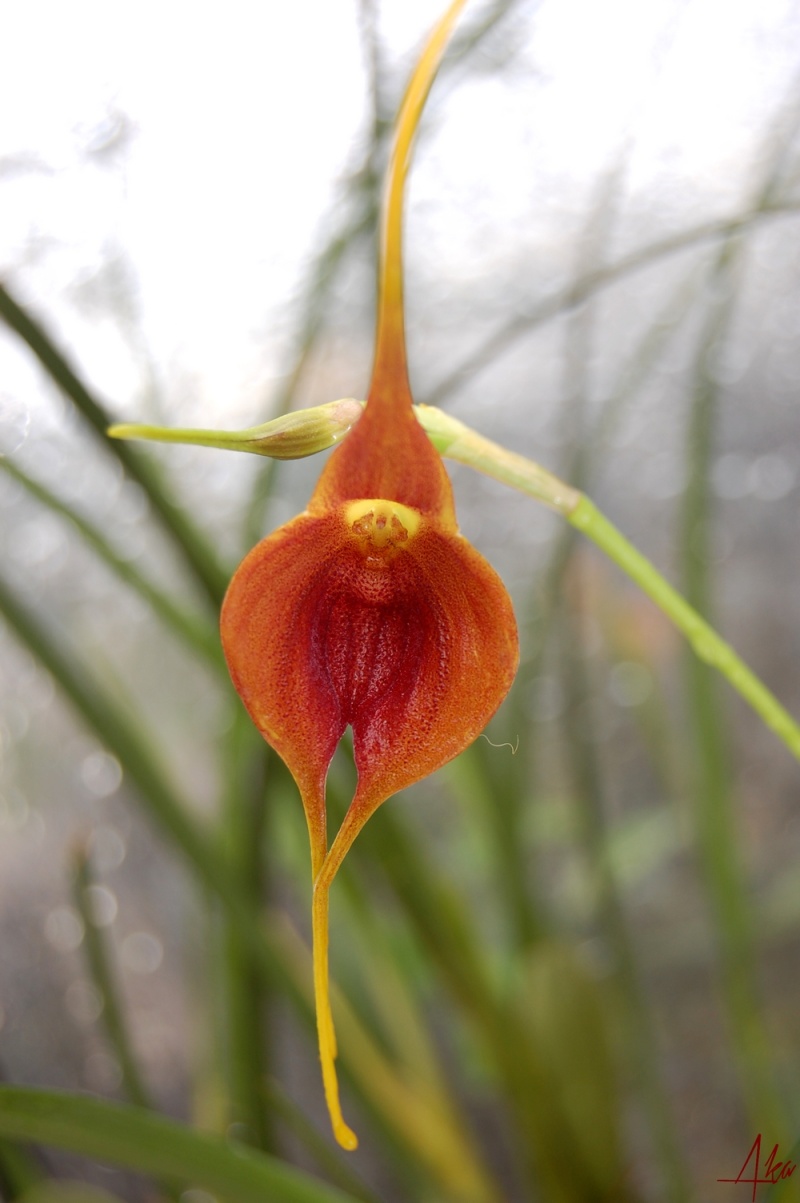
<point>717,823</point>
<point>151,1144</point>
<point>102,975</point>
<point>185,535</point>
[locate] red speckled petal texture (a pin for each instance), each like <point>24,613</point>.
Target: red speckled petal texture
<point>269,640</point>
<point>415,650</point>
<point>459,659</point>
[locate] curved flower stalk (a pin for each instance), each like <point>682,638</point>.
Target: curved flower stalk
<point>369,610</point>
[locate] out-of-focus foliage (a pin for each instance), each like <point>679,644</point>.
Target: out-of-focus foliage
<point>571,960</point>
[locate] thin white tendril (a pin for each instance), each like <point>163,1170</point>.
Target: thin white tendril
<point>514,747</point>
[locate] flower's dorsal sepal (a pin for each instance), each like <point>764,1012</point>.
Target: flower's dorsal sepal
<point>388,454</point>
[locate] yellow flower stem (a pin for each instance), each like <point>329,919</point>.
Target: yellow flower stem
<point>456,441</point>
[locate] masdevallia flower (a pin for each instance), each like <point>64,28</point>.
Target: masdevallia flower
<point>370,610</point>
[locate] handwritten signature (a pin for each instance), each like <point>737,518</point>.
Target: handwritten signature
<point>751,1172</point>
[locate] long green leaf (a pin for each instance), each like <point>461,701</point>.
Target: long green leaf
<point>139,1140</point>
<point>580,290</point>
<point>196,550</point>
<point>102,976</point>
<point>721,852</point>
<point>199,633</point>
<point>116,730</point>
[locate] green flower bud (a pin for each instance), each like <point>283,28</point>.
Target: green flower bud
<point>291,436</point>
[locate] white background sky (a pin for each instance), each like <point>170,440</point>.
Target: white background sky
<point>246,114</point>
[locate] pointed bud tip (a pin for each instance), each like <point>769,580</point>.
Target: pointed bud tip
<point>305,431</point>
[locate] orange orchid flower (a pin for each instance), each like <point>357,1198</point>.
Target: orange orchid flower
<point>369,610</point>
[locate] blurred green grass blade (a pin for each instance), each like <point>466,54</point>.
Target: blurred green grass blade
<point>150,1144</point>
<point>332,1163</point>
<point>117,732</point>
<point>443,925</point>
<point>641,1045</point>
<point>716,821</point>
<point>199,634</point>
<point>639,368</point>
<point>400,1019</point>
<point>192,544</point>
<point>414,1120</point>
<point>159,800</point>
<point>705,642</point>
<point>19,1173</point>
<point>246,761</point>
<point>102,976</point>
<point>59,1191</point>
<point>489,777</point>
<point>557,972</point>
<point>719,843</point>
<point>360,222</point>
<point>593,282</point>
<point>563,1007</point>
<point>436,910</point>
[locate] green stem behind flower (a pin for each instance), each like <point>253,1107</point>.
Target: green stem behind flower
<point>705,641</point>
